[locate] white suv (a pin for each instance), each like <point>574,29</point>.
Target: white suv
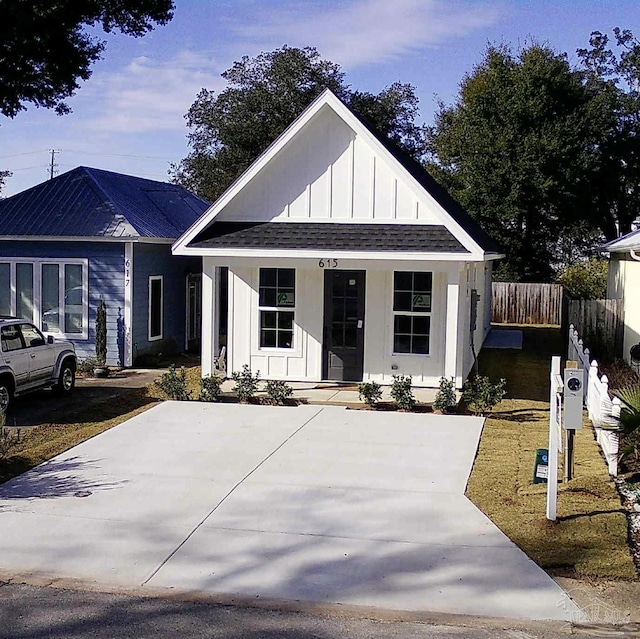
<point>30,361</point>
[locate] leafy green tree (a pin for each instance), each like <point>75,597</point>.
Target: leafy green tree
<point>616,78</point>
<point>228,130</point>
<point>516,150</point>
<point>45,49</point>
<point>3,178</point>
<point>586,280</point>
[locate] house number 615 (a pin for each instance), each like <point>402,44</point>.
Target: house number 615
<point>330,262</point>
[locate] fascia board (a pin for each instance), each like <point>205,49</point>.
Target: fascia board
<point>88,238</point>
<point>270,152</point>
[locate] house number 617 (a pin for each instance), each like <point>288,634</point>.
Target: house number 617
<point>330,262</point>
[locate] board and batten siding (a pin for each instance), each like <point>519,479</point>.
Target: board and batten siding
<point>328,172</point>
<point>106,279</point>
<point>156,260</point>
<point>624,283</point>
<point>304,361</point>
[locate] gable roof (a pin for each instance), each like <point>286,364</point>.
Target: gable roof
<point>463,228</point>
<point>87,202</point>
<point>628,242</point>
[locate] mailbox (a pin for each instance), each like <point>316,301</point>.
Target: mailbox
<point>573,394</point>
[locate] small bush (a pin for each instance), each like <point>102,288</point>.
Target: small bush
<point>210,388</point>
<point>586,280</point>
<point>87,365</point>
<point>9,440</point>
<point>401,392</point>
<point>173,384</point>
<point>101,333</point>
<point>370,393</point>
<point>445,399</point>
<point>246,383</point>
<point>481,395</point>
<point>278,391</point>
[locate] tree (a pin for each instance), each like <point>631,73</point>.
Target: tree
<point>516,149</point>
<point>264,95</point>
<point>617,80</point>
<point>586,280</point>
<point>3,177</point>
<point>45,51</point>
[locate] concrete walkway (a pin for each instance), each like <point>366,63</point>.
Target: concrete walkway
<point>313,503</point>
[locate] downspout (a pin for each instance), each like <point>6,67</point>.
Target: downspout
<point>634,255</point>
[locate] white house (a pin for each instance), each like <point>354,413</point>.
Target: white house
<point>624,283</point>
<point>340,258</point>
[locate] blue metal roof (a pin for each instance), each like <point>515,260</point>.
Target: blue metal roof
<point>86,202</point>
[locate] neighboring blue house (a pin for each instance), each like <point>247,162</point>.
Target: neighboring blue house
<point>88,234</point>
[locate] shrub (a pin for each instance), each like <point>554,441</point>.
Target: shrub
<point>586,280</point>
<point>87,365</point>
<point>278,391</point>
<point>401,392</point>
<point>210,388</point>
<point>630,420</point>
<point>9,440</point>
<point>370,393</point>
<point>445,398</point>
<point>173,384</point>
<point>481,395</point>
<point>246,383</point>
<point>101,333</point>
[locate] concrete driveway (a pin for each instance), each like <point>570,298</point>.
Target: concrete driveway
<point>314,503</point>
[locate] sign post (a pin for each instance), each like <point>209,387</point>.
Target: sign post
<point>555,420</point>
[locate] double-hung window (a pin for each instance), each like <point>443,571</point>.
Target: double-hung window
<point>51,293</point>
<point>277,301</point>
<point>412,293</point>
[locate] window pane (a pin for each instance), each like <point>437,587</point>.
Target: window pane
<point>402,344</point>
<point>24,291</point>
<point>421,325</point>
<point>420,345</point>
<point>268,319</point>
<point>337,336</point>
<point>73,298</point>
<point>350,336</point>
<point>10,338</point>
<point>422,282</point>
<point>32,336</point>
<point>268,338</point>
<point>155,308</point>
<point>267,297</point>
<point>5,289</point>
<point>402,324</point>
<point>286,278</point>
<point>402,301</point>
<point>421,302</point>
<point>402,281</point>
<point>268,277</point>
<point>285,321</point>
<point>286,297</point>
<point>50,298</point>
<point>285,339</point>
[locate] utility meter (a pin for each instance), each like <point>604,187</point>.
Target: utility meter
<point>573,396</point>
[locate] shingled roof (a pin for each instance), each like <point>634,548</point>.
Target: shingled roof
<point>339,237</point>
<point>87,202</point>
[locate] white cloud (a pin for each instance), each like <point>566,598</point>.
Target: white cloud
<point>370,31</point>
<point>149,94</point>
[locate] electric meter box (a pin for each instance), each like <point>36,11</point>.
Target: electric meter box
<point>573,397</point>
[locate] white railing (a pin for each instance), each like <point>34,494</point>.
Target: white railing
<point>603,411</point>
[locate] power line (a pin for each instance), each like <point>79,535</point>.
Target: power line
<point>17,155</point>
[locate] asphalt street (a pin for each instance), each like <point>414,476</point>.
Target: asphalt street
<point>31,612</point>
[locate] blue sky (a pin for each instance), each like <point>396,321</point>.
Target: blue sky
<point>128,116</point>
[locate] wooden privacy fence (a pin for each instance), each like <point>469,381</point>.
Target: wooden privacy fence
<point>600,324</point>
<point>517,303</point>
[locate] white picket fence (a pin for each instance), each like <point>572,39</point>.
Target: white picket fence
<point>603,411</point>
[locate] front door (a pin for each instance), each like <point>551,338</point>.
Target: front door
<point>194,311</point>
<point>343,344</point>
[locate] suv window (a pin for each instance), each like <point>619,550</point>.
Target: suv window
<point>32,336</point>
<point>10,338</point>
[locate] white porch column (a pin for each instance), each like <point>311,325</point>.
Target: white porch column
<point>210,276</point>
<point>451,328</point>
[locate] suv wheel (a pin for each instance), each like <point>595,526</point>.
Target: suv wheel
<point>66,379</point>
<point>6,394</point>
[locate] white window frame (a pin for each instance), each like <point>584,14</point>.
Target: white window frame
<point>155,338</point>
<point>37,264</point>
<point>428,314</point>
<point>286,309</point>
